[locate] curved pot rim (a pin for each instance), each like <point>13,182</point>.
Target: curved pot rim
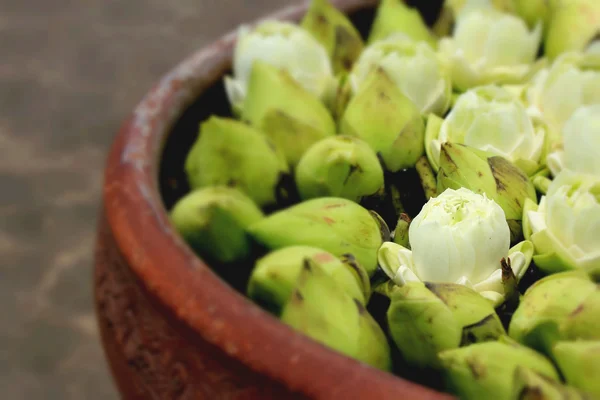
<point>177,278</point>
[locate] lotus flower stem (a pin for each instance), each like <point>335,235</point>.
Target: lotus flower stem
<point>509,282</point>
<point>427,177</point>
<point>396,197</point>
<point>401,231</point>
<point>541,184</point>
<point>385,288</point>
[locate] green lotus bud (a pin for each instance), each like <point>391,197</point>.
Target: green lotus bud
<point>322,310</point>
<point>565,227</point>
<point>541,183</point>
<point>336,225</point>
<point>387,120</point>
<point>416,69</point>
<point>285,46</point>
<point>213,221</point>
<point>275,275</point>
<point>482,172</point>
<point>556,92</point>
<point>550,310</point>
<point>583,324</point>
<point>425,319</point>
<point>572,26</point>
<point>490,118</point>
<point>490,46</point>
<point>339,166</point>
<point>529,385</point>
<point>231,153</point>
<point>293,118</point>
<point>335,32</point>
<point>533,11</point>
<point>458,237</point>
<point>579,363</point>
<point>394,16</point>
<point>476,371</point>
<point>581,143</point>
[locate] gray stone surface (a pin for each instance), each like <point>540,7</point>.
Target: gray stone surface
<point>70,71</point>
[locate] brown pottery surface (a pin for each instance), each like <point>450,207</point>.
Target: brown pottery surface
<point>171,328</point>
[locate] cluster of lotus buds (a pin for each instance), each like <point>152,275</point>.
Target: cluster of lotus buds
<point>421,198</point>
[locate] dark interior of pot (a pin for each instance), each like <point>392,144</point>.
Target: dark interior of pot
<point>173,182</point>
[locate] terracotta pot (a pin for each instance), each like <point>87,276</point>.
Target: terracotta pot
<point>171,328</point>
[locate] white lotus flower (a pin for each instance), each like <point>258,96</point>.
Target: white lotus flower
<point>458,237</point>
<point>565,227</point>
<point>490,118</point>
<point>581,143</point>
<point>490,46</point>
<point>283,45</point>
<point>556,92</point>
<point>416,69</point>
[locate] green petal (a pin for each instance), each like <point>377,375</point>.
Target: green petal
<point>432,132</point>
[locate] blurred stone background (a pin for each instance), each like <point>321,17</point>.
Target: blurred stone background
<point>70,71</point>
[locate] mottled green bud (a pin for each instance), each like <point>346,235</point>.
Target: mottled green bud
<point>213,222</point>
<point>292,117</point>
<point>579,362</point>
<point>394,16</point>
<point>563,306</point>
<point>387,120</point>
<point>336,225</point>
<point>335,32</point>
<point>533,11</point>
<point>231,153</point>
<point>275,275</point>
<point>340,166</point>
<point>487,369</point>
<point>425,319</point>
<point>529,385</point>
<point>322,310</point>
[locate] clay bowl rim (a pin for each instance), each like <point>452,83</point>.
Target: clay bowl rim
<point>188,287</point>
